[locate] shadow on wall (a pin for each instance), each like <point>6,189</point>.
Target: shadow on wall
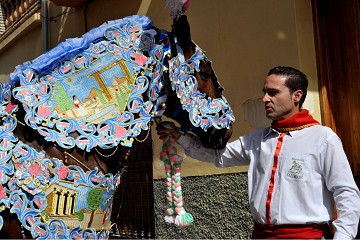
<point>254,113</point>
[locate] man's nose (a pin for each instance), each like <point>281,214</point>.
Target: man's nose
<point>265,97</point>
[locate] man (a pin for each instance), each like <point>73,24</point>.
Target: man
<point>297,168</point>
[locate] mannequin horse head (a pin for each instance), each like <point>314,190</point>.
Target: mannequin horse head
<point>69,116</point>
<point>202,88</point>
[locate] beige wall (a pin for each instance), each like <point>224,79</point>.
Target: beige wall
<point>243,38</point>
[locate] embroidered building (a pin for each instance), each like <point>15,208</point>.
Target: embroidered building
<point>71,206</point>
<point>61,201</point>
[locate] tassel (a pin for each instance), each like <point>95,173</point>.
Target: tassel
<point>184,219</point>
<point>176,213</point>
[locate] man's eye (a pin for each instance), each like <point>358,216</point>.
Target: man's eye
<point>272,93</point>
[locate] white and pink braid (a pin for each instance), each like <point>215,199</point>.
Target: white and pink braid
<point>176,213</point>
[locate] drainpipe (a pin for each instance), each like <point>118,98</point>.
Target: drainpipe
<point>44,24</point>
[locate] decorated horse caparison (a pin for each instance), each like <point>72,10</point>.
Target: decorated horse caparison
<point>71,115</point>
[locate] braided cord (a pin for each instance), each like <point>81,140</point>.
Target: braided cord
<point>175,213</point>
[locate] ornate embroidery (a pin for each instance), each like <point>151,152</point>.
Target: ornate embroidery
<point>97,93</point>
<point>203,112</point>
<point>44,193</point>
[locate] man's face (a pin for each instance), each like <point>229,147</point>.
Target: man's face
<point>279,103</point>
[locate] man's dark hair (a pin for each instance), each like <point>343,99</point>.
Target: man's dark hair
<point>295,80</point>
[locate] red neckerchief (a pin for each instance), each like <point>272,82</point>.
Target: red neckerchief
<point>298,121</point>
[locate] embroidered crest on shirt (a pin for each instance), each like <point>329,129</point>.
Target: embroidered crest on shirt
<point>296,170</point>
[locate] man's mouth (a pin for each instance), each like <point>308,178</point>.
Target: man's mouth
<point>268,108</point>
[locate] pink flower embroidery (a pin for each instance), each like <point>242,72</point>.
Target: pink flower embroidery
<point>2,192</point>
<point>9,107</point>
<point>44,110</point>
<point>139,59</point>
<point>35,169</point>
<point>63,172</point>
<point>18,166</point>
<point>120,131</point>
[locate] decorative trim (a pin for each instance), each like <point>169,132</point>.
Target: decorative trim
<point>203,113</point>
<point>33,187</point>
<point>289,129</point>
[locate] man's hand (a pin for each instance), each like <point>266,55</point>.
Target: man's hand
<point>165,129</point>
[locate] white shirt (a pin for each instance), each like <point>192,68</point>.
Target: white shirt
<point>311,173</point>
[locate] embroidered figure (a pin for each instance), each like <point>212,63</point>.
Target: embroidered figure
<point>296,169</point>
<point>80,110</point>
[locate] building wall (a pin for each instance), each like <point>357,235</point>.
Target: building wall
<point>242,38</point>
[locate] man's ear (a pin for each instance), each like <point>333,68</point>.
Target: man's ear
<point>297,95</point>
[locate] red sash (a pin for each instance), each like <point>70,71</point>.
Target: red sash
<point>298,231</point>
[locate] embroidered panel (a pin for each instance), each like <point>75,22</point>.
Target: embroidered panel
<point>97,93</point>
<point>50,199</point>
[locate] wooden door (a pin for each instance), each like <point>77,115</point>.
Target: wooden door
<point>337,43</point>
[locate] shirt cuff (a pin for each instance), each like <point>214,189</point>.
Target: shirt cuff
<point>185,140</point>
<point>341,236</point>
